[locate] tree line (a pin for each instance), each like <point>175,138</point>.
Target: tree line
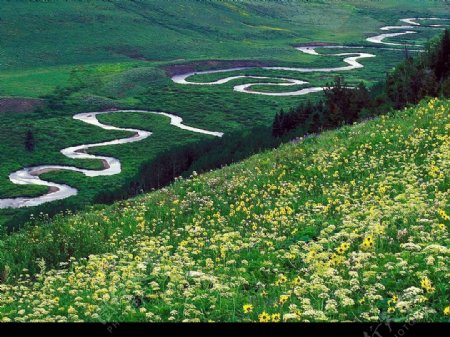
<point>411,81</point>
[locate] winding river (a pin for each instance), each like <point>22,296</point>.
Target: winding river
<point>112,166</point>
<point>30,175</point>
<point>351,59</point>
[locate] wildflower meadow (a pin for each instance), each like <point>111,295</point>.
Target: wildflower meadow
<point>349,225</point>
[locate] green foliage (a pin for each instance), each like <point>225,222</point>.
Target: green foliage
<point>422,76</point>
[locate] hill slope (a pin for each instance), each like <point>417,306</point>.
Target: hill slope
<point>349,225</point>
<point>71,32</point>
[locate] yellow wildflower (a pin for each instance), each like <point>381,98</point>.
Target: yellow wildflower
<point>283,299</point>
<point>368,242</point>
<point>282,279</point>
<point>264,317</point>
<point>447,310</point>
<point>276,317</point>
<point>425,283</point>
<point>248,308</point>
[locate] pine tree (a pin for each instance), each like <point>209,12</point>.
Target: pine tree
<point>337,102</point>
<point>316,124</point>
<point>29,141</point>
<point>276,126</point>
<point>282,122</point>
<point>359,100</point>
<point>304,113</point>
<point>428,84</point>
<point>442,63</point>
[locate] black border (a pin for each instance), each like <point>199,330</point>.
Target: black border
<point>374,329</point>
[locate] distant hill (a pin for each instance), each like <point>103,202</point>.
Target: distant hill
<point>42,33</point>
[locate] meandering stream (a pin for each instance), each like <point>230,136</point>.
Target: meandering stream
<point>112,166</point>
<point>351,59</point>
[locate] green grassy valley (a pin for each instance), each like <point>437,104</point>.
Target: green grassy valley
<point>124,58</point>
<point>348,225</point>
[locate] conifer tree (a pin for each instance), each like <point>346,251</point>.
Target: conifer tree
<point>29,141</point>
<point>276,126</point>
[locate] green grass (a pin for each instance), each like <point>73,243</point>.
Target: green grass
<point>55,138</point>
<point>96,32</point>
<point>118,52</point>
<point>350,225</point>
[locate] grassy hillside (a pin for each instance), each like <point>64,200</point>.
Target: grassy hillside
<point>85,56</point>
<point>114,31</point>
<point>40,52</point>
<point>349,225</point>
